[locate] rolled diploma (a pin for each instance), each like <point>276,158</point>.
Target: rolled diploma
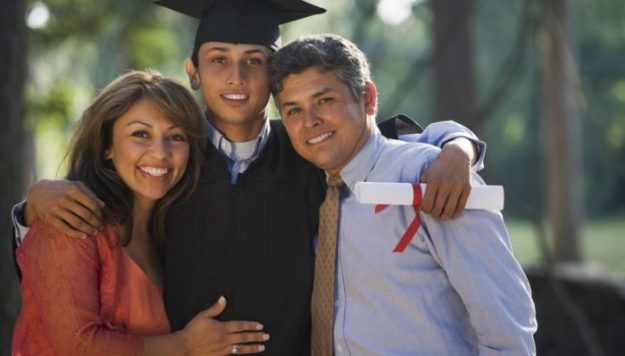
<point>485,197</point>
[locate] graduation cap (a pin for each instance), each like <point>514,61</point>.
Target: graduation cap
<point>242,21</point>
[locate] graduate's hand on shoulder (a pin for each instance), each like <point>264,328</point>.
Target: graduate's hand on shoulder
<point>67,205</point>
<point>206,336</point>
<point>448,180</point>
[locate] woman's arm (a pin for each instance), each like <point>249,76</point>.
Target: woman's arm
<point>206,336</point>
<point>62,276</point>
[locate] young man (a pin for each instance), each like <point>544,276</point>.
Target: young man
<point>455,290</point>
<point>246,233</point>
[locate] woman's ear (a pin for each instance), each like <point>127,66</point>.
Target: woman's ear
<point>194,77</point>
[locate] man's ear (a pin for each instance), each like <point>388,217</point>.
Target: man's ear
<point>194,77</point>
<point>370,98</point>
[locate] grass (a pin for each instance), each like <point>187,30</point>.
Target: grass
<point>603,243</point>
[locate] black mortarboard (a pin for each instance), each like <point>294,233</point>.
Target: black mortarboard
<point>242,21</point>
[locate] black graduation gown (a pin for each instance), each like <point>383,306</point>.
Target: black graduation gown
<point>251,242</point>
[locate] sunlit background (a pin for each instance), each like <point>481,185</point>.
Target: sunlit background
<point>78,46</point>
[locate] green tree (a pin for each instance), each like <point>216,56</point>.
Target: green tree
<point>15,143</point>
<point>454,62</point>
<point>563,133</point>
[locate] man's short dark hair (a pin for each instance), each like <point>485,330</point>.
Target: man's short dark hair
<point>327,53</point>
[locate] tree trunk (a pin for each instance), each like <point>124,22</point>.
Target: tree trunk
<point>563,133</point>
<point>14,162</point>
<point>454,69</point>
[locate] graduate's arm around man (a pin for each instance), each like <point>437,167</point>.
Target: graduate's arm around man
<point>74,210</point>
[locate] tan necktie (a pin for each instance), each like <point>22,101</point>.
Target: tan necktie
<point>323,288</point>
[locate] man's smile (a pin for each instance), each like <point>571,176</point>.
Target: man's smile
<point>318,139</point>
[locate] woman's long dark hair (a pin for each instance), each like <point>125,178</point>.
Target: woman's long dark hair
<point>87,160</point>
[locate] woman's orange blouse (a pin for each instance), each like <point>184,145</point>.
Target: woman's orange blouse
<point>83,297</point>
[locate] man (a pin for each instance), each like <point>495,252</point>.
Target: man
<point>456,289</point>
<point>246,233</point>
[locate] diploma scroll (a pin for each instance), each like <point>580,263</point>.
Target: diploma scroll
<point>484,197</point>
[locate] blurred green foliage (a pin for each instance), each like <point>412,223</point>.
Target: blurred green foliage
<point>602,243</point>
<point>83,46</point>
<point>87,43</point>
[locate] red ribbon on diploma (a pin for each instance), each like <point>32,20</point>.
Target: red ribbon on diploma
<point>414,225</point>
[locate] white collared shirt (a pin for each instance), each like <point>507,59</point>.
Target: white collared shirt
<point>238,155</point>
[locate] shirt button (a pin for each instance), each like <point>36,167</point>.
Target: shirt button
<point>339,348</point>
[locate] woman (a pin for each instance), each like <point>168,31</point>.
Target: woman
<point>138,147</point>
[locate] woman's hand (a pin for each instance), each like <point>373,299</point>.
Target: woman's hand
<point>206,336</point>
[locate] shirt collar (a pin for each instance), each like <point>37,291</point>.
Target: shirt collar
<point>358,168</point>
<point>226,147</point>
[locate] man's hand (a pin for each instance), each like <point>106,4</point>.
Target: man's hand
<point>68,206</point>
<point>448,179</point>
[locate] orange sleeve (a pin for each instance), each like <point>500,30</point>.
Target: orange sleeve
<point>63,275</point>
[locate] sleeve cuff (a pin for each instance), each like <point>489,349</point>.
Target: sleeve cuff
<point>17,216</point>
<point>479,144</point>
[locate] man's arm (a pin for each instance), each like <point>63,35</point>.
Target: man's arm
<point>68,206</point>
<point>475,252</point>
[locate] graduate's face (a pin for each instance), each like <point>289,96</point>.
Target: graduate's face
<point>326,125</point>
<point>148,151</point>
<point>234,82</point>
